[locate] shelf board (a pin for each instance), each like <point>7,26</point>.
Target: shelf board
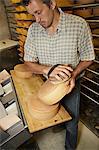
<point>91,80</point>
<point>86,5</point>
<point>96,21</point>
<point>96,49</point>
<point>7,43</point>
<point>93,19</point>
<point>96,61</point>
<point>21,54</point>
<point>95,35</point>
<point>10,11</point>
<point>76,6</point>
<point>92,71</point>
<point>89,98</point>
<point>89,89</point>
<point>22,27</point>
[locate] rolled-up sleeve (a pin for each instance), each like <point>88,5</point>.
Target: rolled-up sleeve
<point>86,48</point>
<point>29,47</point>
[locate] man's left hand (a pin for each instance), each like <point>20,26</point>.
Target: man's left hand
<point>72,84</point>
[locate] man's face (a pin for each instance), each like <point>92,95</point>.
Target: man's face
<point>44,14</point>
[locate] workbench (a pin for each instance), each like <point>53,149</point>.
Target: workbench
<point>26,88</point>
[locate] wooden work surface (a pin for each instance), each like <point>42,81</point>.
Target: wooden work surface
<point>28,87</point>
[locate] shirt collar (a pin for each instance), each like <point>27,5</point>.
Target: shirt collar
<point>60,26</point>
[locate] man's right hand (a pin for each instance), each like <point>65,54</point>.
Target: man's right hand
<point>61,72</point>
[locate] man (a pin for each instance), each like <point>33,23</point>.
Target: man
<point>58,38</point>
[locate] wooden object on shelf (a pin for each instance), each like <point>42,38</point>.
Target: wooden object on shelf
<point>21,49</point>
<point>85,12</point>
<point>68,11</point>
<point>18,30</point>
<point>24,32</point>
<point>19,23</point>
<point>85,1</point>
<point>17,16</point>
<point>21,43</point>
<point>24,16</point>
<point>22,71</point>
<point>21,31</point>
<point>96,42</point>
<point>16,1</point>
<point>95,31</point>
<point>50,93</point>
<point>64,3</point>
<point>22,38</point>
<point>22,23</point>
<point>96,11</point>
<point>26,23</point>
<point>20,8</point>
<point>29,87</point>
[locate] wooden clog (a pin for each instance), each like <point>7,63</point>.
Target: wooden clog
<point>50,93</point>
<point>41,111</point>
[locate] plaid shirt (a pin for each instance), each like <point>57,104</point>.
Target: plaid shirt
<point>71,42</point>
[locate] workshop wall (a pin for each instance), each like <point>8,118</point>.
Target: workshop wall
<point>4,30</point>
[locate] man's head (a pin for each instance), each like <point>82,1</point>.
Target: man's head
<point>43,10</point>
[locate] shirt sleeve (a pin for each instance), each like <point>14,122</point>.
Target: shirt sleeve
<point>85,46</point>
<point>29,47</point>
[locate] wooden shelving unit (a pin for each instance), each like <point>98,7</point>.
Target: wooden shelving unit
<point>90,81</point>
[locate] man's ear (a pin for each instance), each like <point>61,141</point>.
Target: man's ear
<point>53,4</point>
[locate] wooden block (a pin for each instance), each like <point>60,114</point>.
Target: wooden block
<point>4,75</point>
<point>8,121</point>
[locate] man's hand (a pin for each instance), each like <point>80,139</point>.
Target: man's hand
<point>72,84</point>
<point>61,72</point>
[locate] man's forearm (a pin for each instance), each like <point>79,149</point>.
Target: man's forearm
<point>37,68</point>
<point>81,67</point>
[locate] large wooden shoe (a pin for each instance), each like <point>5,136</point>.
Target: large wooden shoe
<point>51,93</point>
<point>41,111</point>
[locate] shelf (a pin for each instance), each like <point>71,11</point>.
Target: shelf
<point>76,6</point>
<point>21,55</point>
<point>96,49</point>
<point>17,11</point>
<point>95,35</point>
<point>96,61</point>
<point>92,71</point>
<point>91,80</point>
<point>89,89</point>
<point>89,98</point>
<point>93,19</point>
<point>22,27</point>
<point>96,21</point>
<point>86,5</point>
<point>21,59</point>
<point>7,43</point>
